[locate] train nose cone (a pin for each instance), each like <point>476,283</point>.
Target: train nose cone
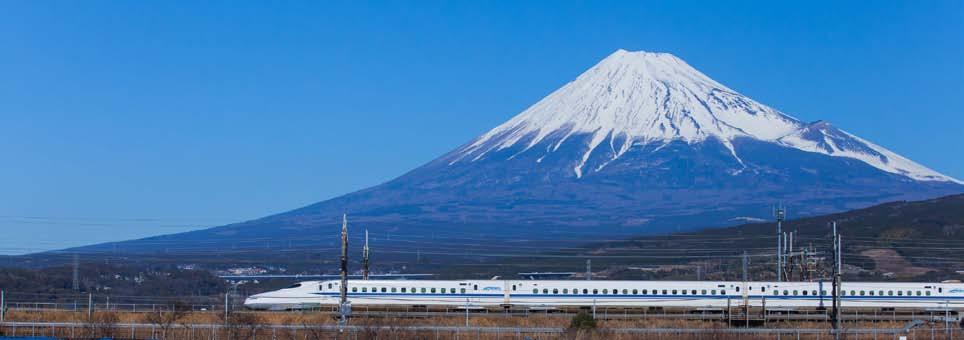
<point>253,302</point>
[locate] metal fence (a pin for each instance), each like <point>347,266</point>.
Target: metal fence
<point>279,332</point>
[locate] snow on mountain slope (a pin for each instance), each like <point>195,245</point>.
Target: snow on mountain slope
<point>639,98</point>
<point>821,137</point>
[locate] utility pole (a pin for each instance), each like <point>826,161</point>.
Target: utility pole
<point>588,269</point>
<point>227,294</point>
<point>76,284</point>
<point>746,262</point>
<point>835,314</point>
<point>780,215</point>
<point>746,292</point>
<point>365,259</point>
<point>344,306</point>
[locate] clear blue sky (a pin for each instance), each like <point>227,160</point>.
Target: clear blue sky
<point>125,119</point>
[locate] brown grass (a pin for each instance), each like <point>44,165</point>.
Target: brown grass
<point>250,325</point>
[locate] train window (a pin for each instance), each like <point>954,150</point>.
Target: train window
<point>928,293</point>
<point>814,293</point>
<point>555,291</point>
<point>804,292</point>
<point>900,293</point>
<point>795,293</point>
<point>664,292</point>
<point>393,289</point>
<point>565,290</point>
<point>890,292</point>
<point>595,291</point>
<point>329,286</point>
<point>535,290</point>
<point>674,292</point>
<point>354,289</point>
<point>880,292</point>
<point>513,288</point>
<point>861,293</point>
<point>823,292</point>
<point>918,293</point>
<point>403,290</point>
<point>475,287</point>
<point>713,292</point>
<point>635,292</point>
<point>413,290</point>
<point>452,290</point>
<point>684,291</point>
<point>423,289</point>
<point>852,293</point>
<point>615,291</point>
<point>776,292</point>
<point>545,291</point>
<point>871,293</point>
<point>940,289</point>
<point>462,290</point>
<point>432,290</point>
<point>909,293</point>
<point>737,289</point>
<point>785,292</point>
<point>585,291</point>
<point>693,292</point>
<point>644,292</point>
<point>763,289</point>
<point>722,291</point>
<point>605,291</point>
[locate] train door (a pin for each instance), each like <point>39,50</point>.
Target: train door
<point>505,293</point>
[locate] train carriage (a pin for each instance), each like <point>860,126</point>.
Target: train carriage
<point>574,293</point>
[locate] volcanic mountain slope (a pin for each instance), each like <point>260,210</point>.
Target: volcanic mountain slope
<point>640,143</point>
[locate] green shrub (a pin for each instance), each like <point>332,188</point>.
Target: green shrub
<point>583,321</point>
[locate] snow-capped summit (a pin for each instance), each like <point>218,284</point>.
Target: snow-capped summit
<point>639,143</point>
<point>642,98</point>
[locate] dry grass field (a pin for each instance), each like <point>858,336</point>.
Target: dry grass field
<point>305,325</point>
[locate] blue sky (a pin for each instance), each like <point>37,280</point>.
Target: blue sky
<point>125,119</point>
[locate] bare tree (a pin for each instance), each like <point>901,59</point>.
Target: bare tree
<point>166,319</point>
<point>242,326</point>
<point>102,325</point>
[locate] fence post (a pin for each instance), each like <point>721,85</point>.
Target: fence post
<point>3,305</point>
<point>90,306</point>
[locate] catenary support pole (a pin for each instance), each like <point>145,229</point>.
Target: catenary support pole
<point>365,258</point>
<point>589,269</point>
<point>344,307</point>
<point>780,215</point>
<point>90,306</point>
<point>226,295</point>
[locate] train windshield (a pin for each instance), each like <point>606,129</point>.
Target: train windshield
<point>296,285</point>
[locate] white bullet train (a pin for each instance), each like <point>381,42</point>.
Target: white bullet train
<point>573,293</point>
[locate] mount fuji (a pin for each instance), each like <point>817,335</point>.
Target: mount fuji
<point>639,143</point>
